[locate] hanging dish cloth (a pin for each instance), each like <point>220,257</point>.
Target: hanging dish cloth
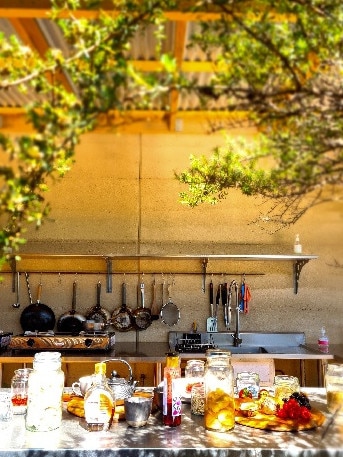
<point>244,297</point>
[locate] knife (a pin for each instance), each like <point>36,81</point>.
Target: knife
<point>229,306</point>
<point>218,300</point>
<point>224,303</point>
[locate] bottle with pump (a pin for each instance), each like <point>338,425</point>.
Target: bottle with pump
<point>323,341</point>
<point>171,391</point>
<point>99,401</point>
<point>297,245</point>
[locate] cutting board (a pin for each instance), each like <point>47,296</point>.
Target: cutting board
<point>272,422</point>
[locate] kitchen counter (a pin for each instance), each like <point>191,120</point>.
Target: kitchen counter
<point>156,440</point>
<point>155,352</point>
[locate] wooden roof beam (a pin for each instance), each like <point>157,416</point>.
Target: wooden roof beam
<point>31,35</point>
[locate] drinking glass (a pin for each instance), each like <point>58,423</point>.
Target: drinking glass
<point>6,411</point>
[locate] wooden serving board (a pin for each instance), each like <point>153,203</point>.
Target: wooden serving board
<point>272,422</point>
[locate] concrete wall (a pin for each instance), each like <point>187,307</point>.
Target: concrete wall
<point>121,198</point>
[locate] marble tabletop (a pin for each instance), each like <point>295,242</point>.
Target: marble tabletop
<point>190,439</point>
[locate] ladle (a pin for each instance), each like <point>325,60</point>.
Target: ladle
<point>17,304</point>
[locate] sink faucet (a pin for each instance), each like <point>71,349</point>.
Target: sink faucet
<point>237,340</point>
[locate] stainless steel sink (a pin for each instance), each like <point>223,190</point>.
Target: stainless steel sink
<point>247,350</point>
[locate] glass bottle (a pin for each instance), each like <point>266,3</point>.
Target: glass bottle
<point>285,385</point>
<point>172,390</point>
<point>45,389</point>
<point>297,246</point>
<point>19,390</point>
<point>219,411</point>
<point>323,341</point>
<point>99,401</point>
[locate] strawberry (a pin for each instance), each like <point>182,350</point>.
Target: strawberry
<point>245,393</point>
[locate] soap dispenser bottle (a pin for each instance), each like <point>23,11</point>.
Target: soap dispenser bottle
<point>297,245</point>
<point>323,341</point>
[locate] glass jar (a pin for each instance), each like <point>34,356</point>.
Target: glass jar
<point>19,390</point>
<point>285,385</point>
<point>334,388</point>
<point>195,369</point>
<point>219,414</point>
<point>194,373</point>
<point>45,389</point>
<point>250,381</point>
<point>198,399</point>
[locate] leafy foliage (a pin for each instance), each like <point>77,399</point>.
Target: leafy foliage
<point>102,79</point>
<point>281,63</point>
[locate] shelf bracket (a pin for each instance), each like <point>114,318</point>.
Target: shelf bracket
<point>298,265</point>
<point>204,268</point>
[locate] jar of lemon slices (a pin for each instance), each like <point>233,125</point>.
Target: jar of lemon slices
<point>219,412</point>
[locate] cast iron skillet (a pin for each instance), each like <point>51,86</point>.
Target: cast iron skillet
<point>71,322</point>
<point>37,316</point>
<point>122,319</point>
<point>142,315</point>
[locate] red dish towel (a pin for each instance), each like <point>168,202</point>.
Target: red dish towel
<point>246,298</point>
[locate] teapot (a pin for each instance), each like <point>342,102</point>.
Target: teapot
<point>122,388</point>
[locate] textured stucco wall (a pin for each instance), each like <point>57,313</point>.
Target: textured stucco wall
<point>121,198</point>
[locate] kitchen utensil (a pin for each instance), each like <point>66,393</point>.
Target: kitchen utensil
<point>122,319</point>
<point>123,388</point>
<point>218,295</point>
<point>155,313</point>
<point>170,313</point>
<point>71,322</point>
<point>97,313</point>
<point>81,386</point>
<point>142,315</point>
<point>17,303</point>
<point>37,316</point>
<point>225,305</point>
<point>211,322</point>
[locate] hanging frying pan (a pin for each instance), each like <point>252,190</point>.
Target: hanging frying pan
<point>170,313</point>
<point>71,322</point>
<point>37,317</point>
<point>122,319</point>
<point>142,315</point>
<point>97,313</point>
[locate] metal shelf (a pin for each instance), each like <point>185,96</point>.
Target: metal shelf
<point>134,263</point>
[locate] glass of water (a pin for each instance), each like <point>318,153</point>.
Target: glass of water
<point>6,410</point>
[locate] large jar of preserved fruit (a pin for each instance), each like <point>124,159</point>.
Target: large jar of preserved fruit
<point>219,414</point>
<point>45,389</point>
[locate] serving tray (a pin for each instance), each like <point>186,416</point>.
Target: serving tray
<point>272,422</point>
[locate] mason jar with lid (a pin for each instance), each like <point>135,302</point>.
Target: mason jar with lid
<point>219,412</point>
<point>194,368</point>
<point>334,388</point>
<point>45,389</point>
<point>285,385</point>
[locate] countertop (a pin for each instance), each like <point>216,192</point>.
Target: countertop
<point>155,440</point>
<point>155,352</point>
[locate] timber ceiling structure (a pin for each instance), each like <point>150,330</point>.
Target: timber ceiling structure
<point>28,20</point>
